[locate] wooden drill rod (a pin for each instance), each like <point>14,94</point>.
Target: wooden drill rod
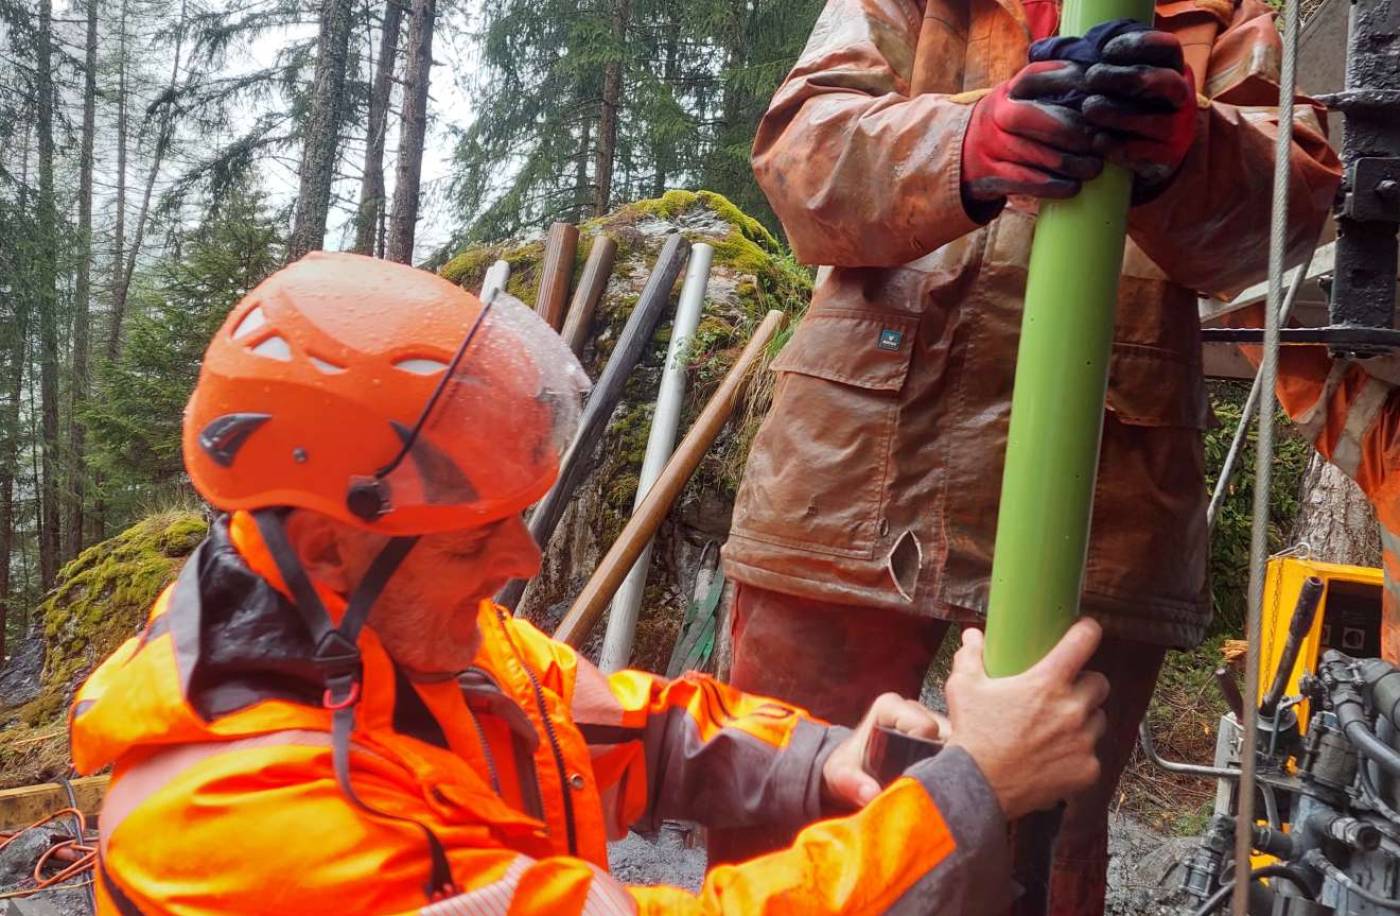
<point>631,344</point>
<point>591,286</point>
<point>556,273</point>
<point>641,527</point>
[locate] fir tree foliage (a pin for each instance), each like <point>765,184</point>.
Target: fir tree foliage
<point>183,301</point>
<point>695,80</point>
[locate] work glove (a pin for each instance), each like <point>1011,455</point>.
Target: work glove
<point>1138,96</point>
<point>1019,141</point>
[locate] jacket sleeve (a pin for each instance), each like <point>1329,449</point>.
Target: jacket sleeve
<point>275,834</point>
<point>933,843</point>
<point>695,749</point>
<point>1209,229</point>
<point>1350,417</point>
<point>860,173</point>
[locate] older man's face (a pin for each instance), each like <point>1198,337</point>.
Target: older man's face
<point>427,615</point>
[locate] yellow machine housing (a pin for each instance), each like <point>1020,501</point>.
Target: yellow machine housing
<point>1348,616</point>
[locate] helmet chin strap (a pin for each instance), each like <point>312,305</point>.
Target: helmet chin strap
<point>337,654</point>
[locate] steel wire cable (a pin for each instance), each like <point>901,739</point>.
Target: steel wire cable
<point>1264,453</point>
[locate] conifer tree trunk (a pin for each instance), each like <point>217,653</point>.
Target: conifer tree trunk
<point>82,296</point>
<point>167,127</point>
<point>413,128</point>
<point>99,504</point>
<point>661,149</point>
<point>14,390</point>
<point>1334,518</point>
<point>46,298</point>
<point>583,198</point>
<point>609,111</point>
<point>9,457</point>
<point>322,129</point>
<point>119,205</point>
<point>369,218</point>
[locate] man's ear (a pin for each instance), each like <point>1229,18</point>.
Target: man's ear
<point>321,550</point>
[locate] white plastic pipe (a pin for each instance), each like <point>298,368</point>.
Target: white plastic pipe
<point>495,280</point>
<point>622,620</point>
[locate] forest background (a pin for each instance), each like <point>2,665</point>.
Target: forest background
<point>158,158</point>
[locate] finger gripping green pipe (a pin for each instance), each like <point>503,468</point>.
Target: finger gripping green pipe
<point>1052,447</point>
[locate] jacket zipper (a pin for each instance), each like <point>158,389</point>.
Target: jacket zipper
<point>549,734</point>
<point>485,749</point>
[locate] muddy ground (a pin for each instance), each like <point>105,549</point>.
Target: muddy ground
<point>1142,871</point>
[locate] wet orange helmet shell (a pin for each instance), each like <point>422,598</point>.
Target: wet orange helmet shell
<point>381,395</point>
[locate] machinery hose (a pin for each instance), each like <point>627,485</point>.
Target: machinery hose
<point>1352,716</point>
<point>1287,872</point>
<point>1317,860</point>
<point>1373,795</point>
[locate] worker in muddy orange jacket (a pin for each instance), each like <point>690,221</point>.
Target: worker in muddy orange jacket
<point>907,152</point>
<point>326,713</point>
<point>1350,411</point>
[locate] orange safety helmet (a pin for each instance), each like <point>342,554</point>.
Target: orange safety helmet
<point>383,396</point>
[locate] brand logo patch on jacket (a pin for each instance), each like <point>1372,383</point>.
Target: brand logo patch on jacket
<point>889,339</point>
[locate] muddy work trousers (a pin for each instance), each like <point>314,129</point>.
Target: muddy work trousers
<point>835,659</point>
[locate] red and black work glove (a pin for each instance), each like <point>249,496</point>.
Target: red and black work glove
<point>1020,142</point>
<point>1142,101</point>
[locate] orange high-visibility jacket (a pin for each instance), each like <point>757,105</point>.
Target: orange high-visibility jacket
<point>224,797</point>
<point>1353,419</point>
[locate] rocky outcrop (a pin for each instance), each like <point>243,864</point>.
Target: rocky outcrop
<point>101,600</point>
<point>752,273</point>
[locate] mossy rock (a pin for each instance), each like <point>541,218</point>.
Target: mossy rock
<point>751,273</point>
<point>101,599</point>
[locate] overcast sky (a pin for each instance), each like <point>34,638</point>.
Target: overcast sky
<point>449,106</point>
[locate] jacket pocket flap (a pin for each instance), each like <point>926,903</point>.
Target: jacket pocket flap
<point>1148,386</point>
<point>869,350</point>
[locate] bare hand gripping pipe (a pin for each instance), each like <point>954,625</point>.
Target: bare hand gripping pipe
<point>1052,447</point>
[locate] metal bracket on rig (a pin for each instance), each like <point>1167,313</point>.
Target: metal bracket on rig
<point>1361,308</point>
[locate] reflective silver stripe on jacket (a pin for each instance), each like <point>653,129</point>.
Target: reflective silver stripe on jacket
<point>606,897</point>
<point>1363,412</point>
<point>1312,421</point>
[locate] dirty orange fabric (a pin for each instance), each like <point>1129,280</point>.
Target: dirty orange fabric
<point>1352,417</point>
<point>540,758</point>
<point>875,478</point>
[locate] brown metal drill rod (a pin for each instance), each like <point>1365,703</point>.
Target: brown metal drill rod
<point>632,343</point>
<point>556,272</point>
<point>641,527</point>
<point>591,286</point>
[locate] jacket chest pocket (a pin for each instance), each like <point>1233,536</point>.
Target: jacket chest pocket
<point>1155,376</point>
<point>817,479</point>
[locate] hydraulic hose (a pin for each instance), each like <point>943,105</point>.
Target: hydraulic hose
<point>1315,859</point>
<point>1286,872</point>
<point>1351,714</point>
<point>1382,681</point>
<point>1299,625</point>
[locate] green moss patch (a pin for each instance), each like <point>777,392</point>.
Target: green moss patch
<point>102,599</point>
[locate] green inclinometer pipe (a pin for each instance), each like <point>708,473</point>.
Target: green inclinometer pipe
<point>1052,448</point>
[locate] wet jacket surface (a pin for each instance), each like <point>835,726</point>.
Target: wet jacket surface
<point>875,479</point>
<point>224,797</point>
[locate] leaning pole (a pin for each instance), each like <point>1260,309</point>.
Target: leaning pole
<point>1052,446</point>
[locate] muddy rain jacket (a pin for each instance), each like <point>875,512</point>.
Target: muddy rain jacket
<point>875,478</point>
<point>224,797</point>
